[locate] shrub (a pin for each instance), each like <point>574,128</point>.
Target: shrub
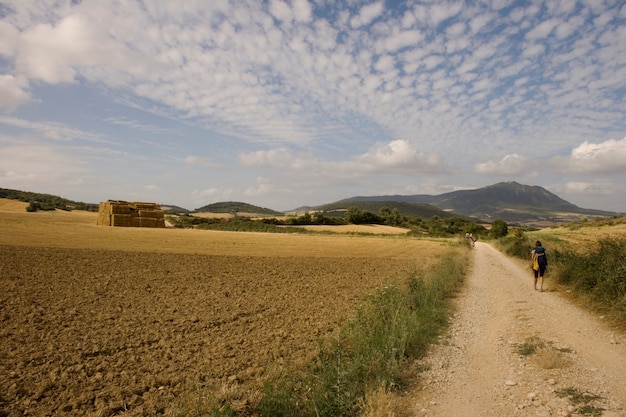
<point>518,245</point>
<point>499,229</point>
<point>599,273</point>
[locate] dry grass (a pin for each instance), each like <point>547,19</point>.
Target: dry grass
<point>580,238</point>
<point>12,206</point>
<point>380,403</point>
<point>550,358</point>
<point>543,353</point>
<point>78,229</point>
<point>206,215</point>
<point>376,229</point>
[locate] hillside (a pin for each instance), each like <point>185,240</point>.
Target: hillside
<point>236,207</point>
<point>423,211</point>
<point>509,201</point>
<point>41,201</point>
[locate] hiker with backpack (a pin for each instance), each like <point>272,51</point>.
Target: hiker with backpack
<point>540,263</point>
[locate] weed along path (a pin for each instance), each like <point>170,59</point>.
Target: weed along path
<point>514,351</point>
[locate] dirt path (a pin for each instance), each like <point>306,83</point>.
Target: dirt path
<point>578,366</point>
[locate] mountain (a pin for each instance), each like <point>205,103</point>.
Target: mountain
<point>508,201</point>
<point>236,207</point>
<point>423,211</point>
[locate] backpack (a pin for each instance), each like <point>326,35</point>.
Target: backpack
<point>542,258</point>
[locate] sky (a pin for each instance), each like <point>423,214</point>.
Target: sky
<point>290,103</point>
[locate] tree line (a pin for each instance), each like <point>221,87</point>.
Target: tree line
<point>434,226</point>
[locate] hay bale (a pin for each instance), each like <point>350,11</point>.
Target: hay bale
<point>119,208</point>
<point>135,214</point>
<point>123,220</point>
<point>153,214</point>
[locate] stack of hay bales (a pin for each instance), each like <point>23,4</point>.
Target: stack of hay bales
<point>134,214</point>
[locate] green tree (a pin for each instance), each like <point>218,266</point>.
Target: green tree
<point>356,216</point>
<point>353,215</point>
<point>499,228</point>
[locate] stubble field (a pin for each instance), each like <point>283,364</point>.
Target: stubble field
<point>124,321</point>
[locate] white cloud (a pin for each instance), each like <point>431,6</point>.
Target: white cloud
<point>13,91</point>
<point>201,197</point>
<point>281,10</point>
<point>275,158</point>
<point>196,160</point>
<point>442,11</point>
<point>534,50</point>
<point>262,187</point>
<point>367,14</point>
<point>510,165</point>
<point>302,10</point>
<point>8,37</point>
<point>605,158</point>
<point>479,22</point>
<point>52,130</point>
<point>599,194</point>
<point>542,30</point>
<point>398,155</point>
<point>33,165</point>
<point>402,40</point>
<point>48,53</point>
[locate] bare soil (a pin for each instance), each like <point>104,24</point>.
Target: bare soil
<point>124,321</point>
<point>483,366</point>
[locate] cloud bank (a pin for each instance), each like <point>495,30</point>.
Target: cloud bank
<point>425,95</point>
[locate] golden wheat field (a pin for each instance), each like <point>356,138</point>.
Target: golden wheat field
<point>100,320</point>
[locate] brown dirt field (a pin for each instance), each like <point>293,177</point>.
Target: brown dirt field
<point>123,321</point>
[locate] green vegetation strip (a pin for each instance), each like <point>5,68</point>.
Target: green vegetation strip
<point>395,325</point>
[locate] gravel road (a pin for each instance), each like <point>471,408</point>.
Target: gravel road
<point>514,351</point>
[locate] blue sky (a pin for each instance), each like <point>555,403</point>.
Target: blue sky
<point>304,102</point>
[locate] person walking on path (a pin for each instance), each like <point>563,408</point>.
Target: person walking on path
<point>540,263</point>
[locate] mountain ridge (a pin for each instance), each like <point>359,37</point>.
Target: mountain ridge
<point>509,201</point>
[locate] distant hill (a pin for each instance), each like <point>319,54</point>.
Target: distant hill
<point>423,211</point>
<point>173,209</point>
<point>46,201</point>
<point>236,207</point>
<point>509,201</point>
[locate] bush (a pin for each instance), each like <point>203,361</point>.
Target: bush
<point>499,229</point>
<point>518,245</point>
<point>600,273</point>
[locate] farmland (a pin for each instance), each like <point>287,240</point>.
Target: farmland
<point>102,321</point>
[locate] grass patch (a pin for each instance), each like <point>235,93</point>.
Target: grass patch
<point>530,346</point>
<point>583,400</point>
<point>551,358</point>
<point>543,353</point>
<point>365,358</point>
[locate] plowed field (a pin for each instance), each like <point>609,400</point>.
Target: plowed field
<point>122,321</point>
